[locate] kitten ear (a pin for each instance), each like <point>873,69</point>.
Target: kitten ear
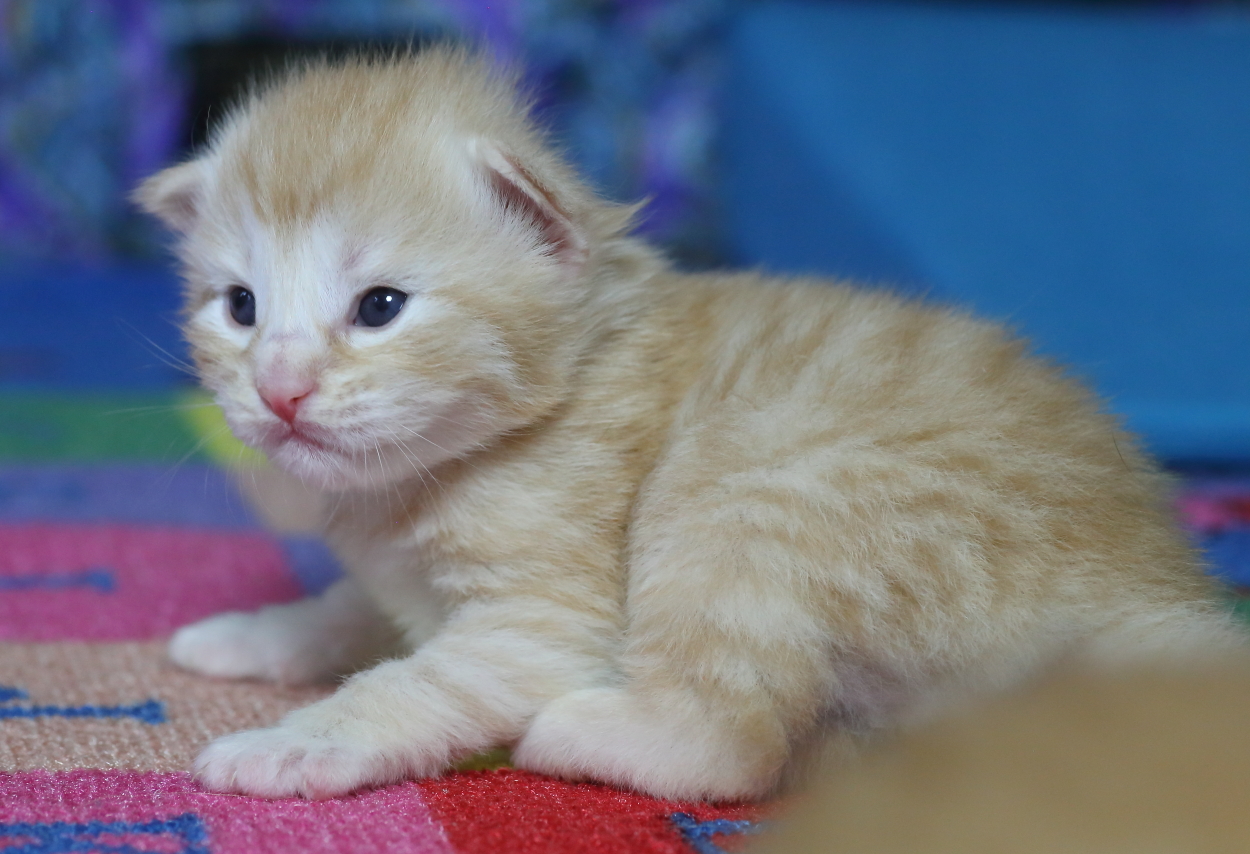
<point>517,191</point>
<point>173,195</point>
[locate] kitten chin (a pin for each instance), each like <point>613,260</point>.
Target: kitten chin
<point>330,470</point>
<point>662,530</point>
<point>328,467</point>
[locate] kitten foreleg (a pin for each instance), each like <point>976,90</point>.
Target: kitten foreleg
<point>473,686</point>
<point>312,640</point>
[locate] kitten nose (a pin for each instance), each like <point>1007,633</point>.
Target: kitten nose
<point>283,399</point>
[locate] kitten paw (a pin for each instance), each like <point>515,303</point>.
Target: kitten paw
<point>246,646</point>
<point>285,761</point>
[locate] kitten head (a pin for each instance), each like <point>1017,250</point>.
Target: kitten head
<point>386,267</point>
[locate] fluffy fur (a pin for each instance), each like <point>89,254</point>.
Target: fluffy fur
<point>654,529</point>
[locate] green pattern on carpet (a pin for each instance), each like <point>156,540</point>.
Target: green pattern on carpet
<point>65,427</point>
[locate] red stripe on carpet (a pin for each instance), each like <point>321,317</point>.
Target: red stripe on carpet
<point>488,812</point>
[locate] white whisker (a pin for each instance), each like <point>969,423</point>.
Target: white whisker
<point>167,358</point>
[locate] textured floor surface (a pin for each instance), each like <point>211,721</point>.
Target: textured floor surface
<point>117,526</point>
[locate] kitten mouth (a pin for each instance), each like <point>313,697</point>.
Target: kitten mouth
<point>302,439</point>
<point>302,436</point>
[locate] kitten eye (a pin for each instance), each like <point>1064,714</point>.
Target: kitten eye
<point>379,306</point>
<point>242,305</point>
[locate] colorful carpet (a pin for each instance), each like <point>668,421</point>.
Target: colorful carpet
<point>118,523</point>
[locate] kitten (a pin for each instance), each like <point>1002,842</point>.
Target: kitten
<point>652,529</point>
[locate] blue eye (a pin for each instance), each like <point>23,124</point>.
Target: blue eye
<point>242,305</point>
<point>379,306</point>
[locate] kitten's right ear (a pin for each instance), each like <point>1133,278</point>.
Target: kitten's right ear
<point>174,195</point>
<point>517,191</point>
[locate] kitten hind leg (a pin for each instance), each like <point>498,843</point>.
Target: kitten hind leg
<point>671,746</point>
<point>312,640</point>
<point>709,708</point>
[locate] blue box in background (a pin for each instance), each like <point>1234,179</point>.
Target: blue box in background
<point>1080,173</point>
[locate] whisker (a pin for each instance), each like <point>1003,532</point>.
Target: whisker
<point>194,450</point>
<point>167,358</point>
<point>421,470</point>
<point>165,407</point>
<point>377,447</point>
<point>450,456</point>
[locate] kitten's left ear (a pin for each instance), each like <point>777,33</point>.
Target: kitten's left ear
<point>519,192</point>
<point>173,195</point>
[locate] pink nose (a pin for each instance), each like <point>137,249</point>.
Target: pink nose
<point>284,400</point>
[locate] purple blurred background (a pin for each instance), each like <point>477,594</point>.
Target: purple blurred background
<point>96,95</point>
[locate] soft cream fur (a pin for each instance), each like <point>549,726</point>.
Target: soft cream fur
<point>648,528</point>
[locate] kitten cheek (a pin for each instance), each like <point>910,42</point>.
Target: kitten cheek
<point>221,364</point>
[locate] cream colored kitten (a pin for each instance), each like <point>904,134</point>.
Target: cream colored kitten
<point>647,528</point>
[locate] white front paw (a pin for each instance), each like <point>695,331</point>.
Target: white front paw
<point>287,761</point>
<point>246,646</point>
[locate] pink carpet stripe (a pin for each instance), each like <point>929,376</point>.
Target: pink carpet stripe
<point>170,814</point>
<point>98,582</point>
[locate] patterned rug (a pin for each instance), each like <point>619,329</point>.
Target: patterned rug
<point>119,523</point>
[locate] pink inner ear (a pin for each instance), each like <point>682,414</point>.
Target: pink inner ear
<point>173,195</point>
<point>180,207</point>
<point>542,214</point>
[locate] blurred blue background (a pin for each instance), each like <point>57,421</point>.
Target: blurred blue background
<point>1080,171</point>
